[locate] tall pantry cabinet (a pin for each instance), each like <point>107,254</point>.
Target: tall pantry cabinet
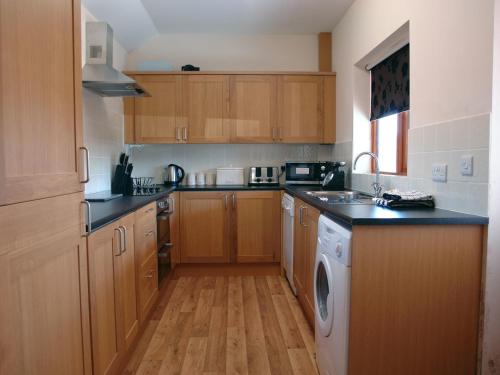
<point>44,313</point>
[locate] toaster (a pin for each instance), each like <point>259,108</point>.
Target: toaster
<point>263,176</point>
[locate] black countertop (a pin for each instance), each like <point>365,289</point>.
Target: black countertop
<point>366,214</point>
<point>103,213</point>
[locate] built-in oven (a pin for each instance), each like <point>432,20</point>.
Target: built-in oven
<point>164,210</point>
<point>307,173</point>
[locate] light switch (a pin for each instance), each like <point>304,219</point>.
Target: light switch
<point>466,165</point>
<point>439,172</point>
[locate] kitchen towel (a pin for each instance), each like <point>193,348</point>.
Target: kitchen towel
<point>411,199</point>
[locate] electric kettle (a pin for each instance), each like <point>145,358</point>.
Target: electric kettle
<point>173,175</point>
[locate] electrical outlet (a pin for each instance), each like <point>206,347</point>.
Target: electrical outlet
<point>439,172</point>
<point>466,165</point>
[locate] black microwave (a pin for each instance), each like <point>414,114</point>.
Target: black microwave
<point>307,173</point>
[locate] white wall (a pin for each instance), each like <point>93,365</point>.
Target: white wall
<point>491,354</point>
<point>102,123</point>
<point>231,51</point>
<point>450,75</point>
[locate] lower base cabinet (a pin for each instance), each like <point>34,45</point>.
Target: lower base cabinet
<point>229,226</point>
<point>44,318</point>
<point>304,255</point>
<point>205,227</point>
<point>113,297</point>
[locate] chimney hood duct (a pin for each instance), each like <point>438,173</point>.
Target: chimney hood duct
<point>99,75</point>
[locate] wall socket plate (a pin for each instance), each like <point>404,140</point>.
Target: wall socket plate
<point>466,165</point>
<point>439,172</point>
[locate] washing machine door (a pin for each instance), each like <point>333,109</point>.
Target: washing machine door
<point>323,294</point>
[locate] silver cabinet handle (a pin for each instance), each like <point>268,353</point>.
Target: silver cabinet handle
<point>300,214</point>
<point>274,133</point>
<point>124,237</point>
<point>225,202</point>
<point>87,164</point>
<point>304,209</point>
<point>280,133</point>
<point>88,222</point>
<point>234,201</point>
<point>119,241</point>
<point>185,134</point>
<point>171,203</point>
<point>177,138</point>
<point>150,233</point>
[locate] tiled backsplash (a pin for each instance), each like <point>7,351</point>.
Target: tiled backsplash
<point>439,143</point>
<point>150,160</point>
<point>103,135</point>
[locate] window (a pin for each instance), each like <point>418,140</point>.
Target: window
<point>390,143</point>
<point>390,104</point>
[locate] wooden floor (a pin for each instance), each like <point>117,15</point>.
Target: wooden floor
<point>226,325</point>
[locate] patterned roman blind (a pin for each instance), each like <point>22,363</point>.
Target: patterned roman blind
<point>391,84</point>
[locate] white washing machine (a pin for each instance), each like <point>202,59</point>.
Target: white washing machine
<point>332,278</point>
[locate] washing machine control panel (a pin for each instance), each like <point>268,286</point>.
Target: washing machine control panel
<point>334,240</point>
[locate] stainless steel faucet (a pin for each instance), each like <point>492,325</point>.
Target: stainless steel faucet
<point>376,185</point>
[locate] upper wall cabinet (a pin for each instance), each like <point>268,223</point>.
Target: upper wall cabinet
<point>300,109</point>
<point>157,118</point>
<point>199,107</point>
<point>253,109</point>
<point>40,100</point>
<point>205,108</point>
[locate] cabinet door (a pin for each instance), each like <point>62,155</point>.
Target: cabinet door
<point>157,116</point>
<point>205,230</point>
<point>107,328</point>
<point>253,108</point>
<point>44,322</point>
<point>125,264</point>
<point>205,108</point>
<point>258,226</point>
<point>299,248</point>
<point>311,217</point>
<point>300,107</point>
<point>40,100</point>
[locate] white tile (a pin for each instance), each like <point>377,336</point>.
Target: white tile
<point>459,132</point>
<point>479,132</point>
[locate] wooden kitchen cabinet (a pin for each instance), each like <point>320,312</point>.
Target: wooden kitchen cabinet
<point>253,109</point>
<point>300,106</point>
<point>205,108</point>
<point>113,299</point>
<point>157,118</point>
<point>204,227</point>
<point>257,224</point>
<point>41,121</point>
<point>304,255</point>
<point>230,107</point>
<point>44,312</point>
<point>146,258</point>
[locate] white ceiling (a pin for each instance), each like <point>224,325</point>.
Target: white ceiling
<point>246,16</point>
<point>135,21</point>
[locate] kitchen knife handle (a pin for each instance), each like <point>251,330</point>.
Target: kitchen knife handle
<point>87,164</point>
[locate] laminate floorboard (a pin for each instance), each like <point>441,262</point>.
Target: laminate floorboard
<point>226,325</point>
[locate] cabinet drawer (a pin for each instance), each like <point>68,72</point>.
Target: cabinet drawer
<point>147,212</point>
<point>145,234</point>
<point>148,284</point>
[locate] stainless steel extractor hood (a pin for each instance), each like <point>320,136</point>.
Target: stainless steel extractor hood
<point>98,72</point>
